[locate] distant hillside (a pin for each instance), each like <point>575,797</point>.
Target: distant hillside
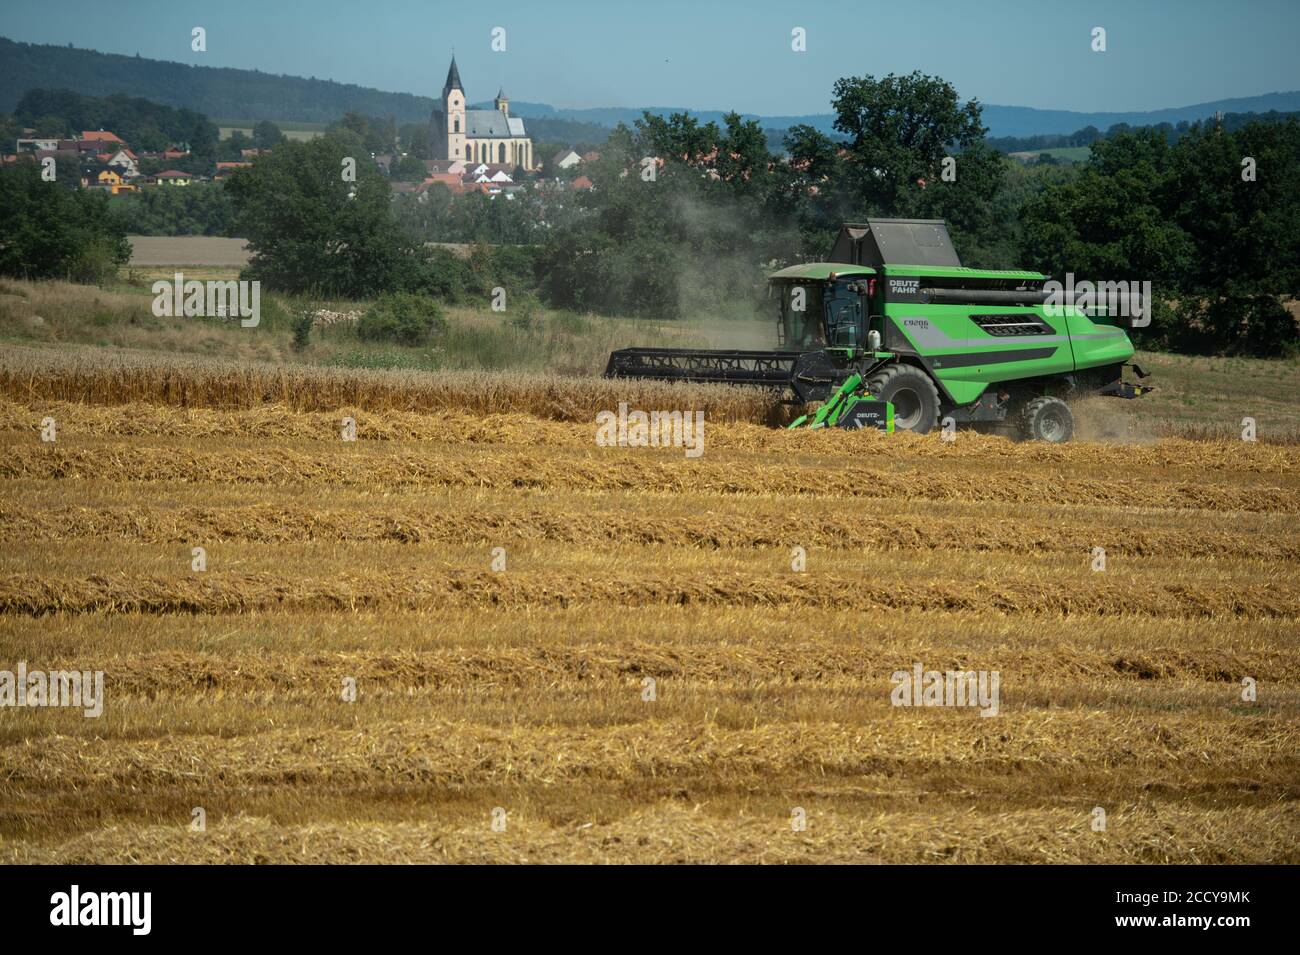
<point>1024,121</point>
<point>1001,120</point>
<point>214,91</point>
<point>253,95</point>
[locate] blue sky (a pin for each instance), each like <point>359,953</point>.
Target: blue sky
<point>716,55</point>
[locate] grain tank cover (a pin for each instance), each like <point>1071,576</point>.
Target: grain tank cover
<point>881,242</point>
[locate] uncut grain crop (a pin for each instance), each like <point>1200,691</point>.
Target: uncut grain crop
<point>652,675</point>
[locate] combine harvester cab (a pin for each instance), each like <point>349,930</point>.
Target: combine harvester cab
<point>924,337</point>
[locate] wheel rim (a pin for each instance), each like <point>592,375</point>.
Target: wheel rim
<point>907,408</point>
<point>1051,426</point>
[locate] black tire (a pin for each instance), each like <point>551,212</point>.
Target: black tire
<point>1046,419</point>
<point>913,395</point>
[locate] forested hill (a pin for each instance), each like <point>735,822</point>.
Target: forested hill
<point>214,91</point>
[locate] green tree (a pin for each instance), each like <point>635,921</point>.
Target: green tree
<point>1111,222</point>
<point>198,209</point>
<point>407,169</point>
<point>1218,247</point>
<point>231,149</point>
<point>414,139</point>
<point>10,130</point>
<point>403,318</point>
<point>378,136</point>
<point>309,228</point>
<point>1236,201</point>
<point>967,200</point>
<point>899,129</point>
<point>52,232</point>
<point>267,135</point>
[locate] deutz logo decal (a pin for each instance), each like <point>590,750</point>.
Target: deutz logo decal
<point>904,286</point>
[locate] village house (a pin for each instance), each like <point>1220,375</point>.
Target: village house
<point>488,172</point>
<point>111,180</point>
<point>224,169</point>
<point>37,145</point>
<point>172,177</point>
<point>452,180</point>
<point>123,159</point>
<point>102,138</point>
<point>565,159</point>
<point>455,167</point>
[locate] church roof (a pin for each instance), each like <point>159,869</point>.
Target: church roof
<point>492,122</point>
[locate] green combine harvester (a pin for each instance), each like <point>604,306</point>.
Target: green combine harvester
<point>894,333</point>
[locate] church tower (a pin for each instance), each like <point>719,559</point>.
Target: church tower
<point>453,109</point>
<point>502,102</point>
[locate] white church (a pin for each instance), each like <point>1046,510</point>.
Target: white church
<point>477,135</point>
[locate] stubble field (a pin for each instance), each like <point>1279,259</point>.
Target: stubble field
<point>649,678</point>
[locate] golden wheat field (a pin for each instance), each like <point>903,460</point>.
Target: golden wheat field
<point>650,677</point>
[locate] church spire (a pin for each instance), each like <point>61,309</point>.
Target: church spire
<point>453,79</point>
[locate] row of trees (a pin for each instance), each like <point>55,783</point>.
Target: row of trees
<point>1210,220</point>
<point>722,206</point>
<point>685,216</point>
<point>201,208</point>
<point>1209,217</point>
